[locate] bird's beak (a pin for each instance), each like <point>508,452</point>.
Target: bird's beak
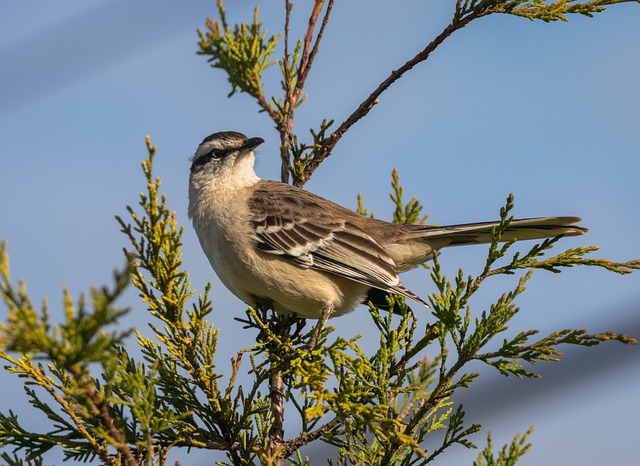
<point>251,144</point>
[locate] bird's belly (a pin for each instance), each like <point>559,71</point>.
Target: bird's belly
<point>292,289</point>
<point>263,278</point>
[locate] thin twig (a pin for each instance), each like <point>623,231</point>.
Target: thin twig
<point>292,96</point>
<point>287,27</point>
<point>308,55</point>
<point>313,19</point>
<point>314,51</point>
<point>456,15</point>
<point>293,445</point>
<point>285,124</point>
<point>372,100</point>
<point>262,101</point>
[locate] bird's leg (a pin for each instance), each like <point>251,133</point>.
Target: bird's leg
<point>315,333</point>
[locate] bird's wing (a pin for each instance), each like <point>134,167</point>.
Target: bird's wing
<point>298,226</point>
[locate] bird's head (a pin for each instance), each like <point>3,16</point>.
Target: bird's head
<point>226,156</point>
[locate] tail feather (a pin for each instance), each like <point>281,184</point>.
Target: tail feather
<point>421,242</point>
<point>479,233</point>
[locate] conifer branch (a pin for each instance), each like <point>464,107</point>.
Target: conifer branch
<point>242,52</point>
<point>291,446</point>
<point>553,11</point>
<point>103,411</point>
<point>508,455</point>
<point>383,407</point>
<point>365,107</point>
<point>226,46</point>
<point>461,19</point>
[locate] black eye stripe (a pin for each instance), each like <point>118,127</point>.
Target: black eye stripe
<point>218,153</point>
<point>213,154</point>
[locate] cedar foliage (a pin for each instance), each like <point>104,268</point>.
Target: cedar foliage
<point>106,406</point>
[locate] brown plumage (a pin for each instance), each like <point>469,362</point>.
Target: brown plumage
<point>272,242</point>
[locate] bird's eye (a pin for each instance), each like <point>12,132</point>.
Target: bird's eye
<point>216,153</point>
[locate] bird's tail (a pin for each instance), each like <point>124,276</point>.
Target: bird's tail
<point>479,233</point>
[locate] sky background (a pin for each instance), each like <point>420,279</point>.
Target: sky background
<point>549,112</point>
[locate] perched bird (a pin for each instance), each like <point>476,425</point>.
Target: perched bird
<point>274,244</point>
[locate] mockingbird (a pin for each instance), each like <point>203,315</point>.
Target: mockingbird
<point>275,244</point>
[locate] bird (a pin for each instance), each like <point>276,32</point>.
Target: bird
<point>277,245</point>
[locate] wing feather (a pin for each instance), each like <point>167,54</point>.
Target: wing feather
<point>290,222</point>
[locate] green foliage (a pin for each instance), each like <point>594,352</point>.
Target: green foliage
<point>103,404</point>
<point>508,455</point>
<point>15,460</point>
<point>243,52</point>
<point>533,9</point>
<point>361,209</point>
<point>451,307</point>
<point>83,424</point>
<point>408,213</point>
<point>302,153</point>
<point>553,11</point>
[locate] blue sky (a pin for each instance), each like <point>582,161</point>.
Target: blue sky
<point>549,112</point>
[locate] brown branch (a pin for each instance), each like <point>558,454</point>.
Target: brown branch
<point>292,96</point>
<point>285,149</point>
<point>103,410</point>
<point>293,445</point>
<point>286,69</point>
<point>313,19</point>
<point>370,101</point>
<point>262,101</point>
<point>430,335</point>
<point>308,57</point>
<point>284,125</point>
<point>276,433</point>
